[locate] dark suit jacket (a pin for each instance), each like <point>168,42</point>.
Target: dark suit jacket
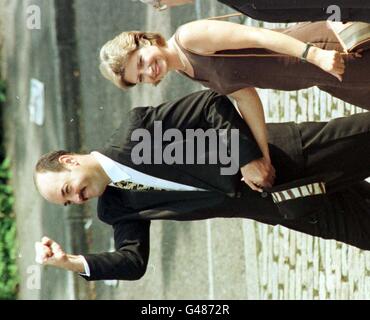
<point>300,10</point>
<point>130,212</point>
<point>301,153</point>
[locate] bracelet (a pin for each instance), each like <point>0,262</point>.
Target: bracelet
<point>305,53</point>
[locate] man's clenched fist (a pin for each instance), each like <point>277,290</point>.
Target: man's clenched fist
<point>48,252</point>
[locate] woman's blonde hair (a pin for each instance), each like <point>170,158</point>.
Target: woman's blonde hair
<point>115,53</point>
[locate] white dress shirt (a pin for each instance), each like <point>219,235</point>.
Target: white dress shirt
<point>118,172</point>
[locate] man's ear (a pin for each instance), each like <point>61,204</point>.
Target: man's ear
<point>68,160</point>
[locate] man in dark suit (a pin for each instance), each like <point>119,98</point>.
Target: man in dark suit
<point>319,187</point>
<point>302,10</point>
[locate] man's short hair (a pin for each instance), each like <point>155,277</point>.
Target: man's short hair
<point>50,162</point>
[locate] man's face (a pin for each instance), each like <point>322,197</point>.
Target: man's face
<point>75,185</point>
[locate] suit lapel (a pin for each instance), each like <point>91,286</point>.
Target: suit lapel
<point>199,176</point>
<point>205,176</point>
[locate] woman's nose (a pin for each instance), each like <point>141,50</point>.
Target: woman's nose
<point>148,72</point>
<point>77,198</point>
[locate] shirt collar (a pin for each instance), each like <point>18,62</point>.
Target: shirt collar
<point>113,170</point>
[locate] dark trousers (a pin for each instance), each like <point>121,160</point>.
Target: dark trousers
<point>344,155</point>
<point>339,149</point>
<point>345,218</point>
<point>339,152</point>
<point>295,13</point>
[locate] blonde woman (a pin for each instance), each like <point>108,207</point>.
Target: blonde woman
<point>234,59</point>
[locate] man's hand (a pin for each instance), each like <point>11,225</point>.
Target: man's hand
<point>48,252</point>
<point>259,174</point>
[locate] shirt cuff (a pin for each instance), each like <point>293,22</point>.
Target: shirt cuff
<point>86,267</point>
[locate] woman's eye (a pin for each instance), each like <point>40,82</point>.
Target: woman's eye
<point>140,64</point>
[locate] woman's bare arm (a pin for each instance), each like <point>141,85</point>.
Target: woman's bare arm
<point>173,3</point>
<point>167,3</point>
<point>259,173</point>
<point>208,36</point>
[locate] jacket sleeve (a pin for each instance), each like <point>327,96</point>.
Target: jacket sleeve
<point>208,110</point>
<point>222,114</point>
<point>130,259</point>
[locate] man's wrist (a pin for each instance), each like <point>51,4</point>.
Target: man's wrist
<point>74,263</point>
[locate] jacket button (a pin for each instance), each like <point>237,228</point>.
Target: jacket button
<point>238,194</point>
<point>313,220</point>
<point>264,194</point>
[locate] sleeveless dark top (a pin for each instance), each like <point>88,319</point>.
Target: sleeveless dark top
<point>231,70</point>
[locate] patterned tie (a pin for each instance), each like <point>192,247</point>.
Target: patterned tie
<point>128,185</point>
<point>312,189</point>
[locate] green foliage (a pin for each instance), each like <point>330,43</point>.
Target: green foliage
<point>8,249</point>
<point>2,92</point>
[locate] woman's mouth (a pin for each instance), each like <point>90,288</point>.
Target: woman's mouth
<point>156,70</point>
<point>83,195</point>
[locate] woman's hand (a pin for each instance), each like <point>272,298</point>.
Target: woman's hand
<point>259,174</point>
<point>330,61</point>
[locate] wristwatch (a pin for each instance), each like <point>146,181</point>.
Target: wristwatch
<point>157,4</point>
<point>305,53</point>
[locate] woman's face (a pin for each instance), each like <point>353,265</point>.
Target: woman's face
<point>146,65</point>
